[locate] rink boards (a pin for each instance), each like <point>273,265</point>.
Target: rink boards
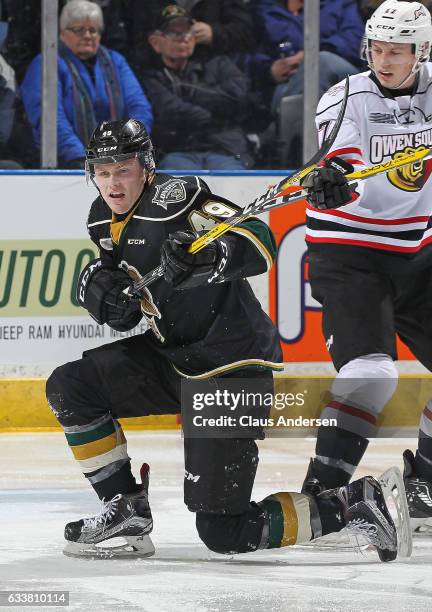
<point>43,249</point>
<point>23,406</point>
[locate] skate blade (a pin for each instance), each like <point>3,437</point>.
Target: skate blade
<point>393,488</point>
<point>339,541</point>
<point>128,547</point>
<point>421,526</point>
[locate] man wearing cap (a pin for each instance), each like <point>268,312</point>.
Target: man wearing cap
<point>198,104</point>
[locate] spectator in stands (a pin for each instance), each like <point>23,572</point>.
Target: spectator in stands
<point>7,113</point>
<point>95,84</point>
<point>198,105</point>
<point>367,7</point>
<point>24,18</point>
<point>17,149</point>
<point>220,27</point>
<point>281,24</point>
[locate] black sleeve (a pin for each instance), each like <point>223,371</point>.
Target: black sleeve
<point>171,109</point>
<point>251,243</point>
<point>226,88</point>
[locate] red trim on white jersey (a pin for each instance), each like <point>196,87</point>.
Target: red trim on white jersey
<point>322,214</point>
<point>345,151</point>
<point>386,214</point>
<point>382,246</point>
<point>354,162</point>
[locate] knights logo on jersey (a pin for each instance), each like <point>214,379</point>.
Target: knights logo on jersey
<point>148,306</point>
<point>413,176</point>
<point>170,192</point>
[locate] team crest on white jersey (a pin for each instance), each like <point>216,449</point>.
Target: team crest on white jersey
<point>411,177</point>
<point>170,192</point>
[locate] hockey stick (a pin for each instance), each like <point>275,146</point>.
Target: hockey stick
<point>270,199</point>
<point>282,199</point>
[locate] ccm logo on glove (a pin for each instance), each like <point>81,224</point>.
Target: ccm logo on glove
<point>327,187</point>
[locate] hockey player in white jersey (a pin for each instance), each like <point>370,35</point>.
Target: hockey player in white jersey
<point>370,251</point>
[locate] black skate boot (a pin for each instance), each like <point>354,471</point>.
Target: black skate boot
<point>120,530</point>
<point>419,496</point>
<point>321,477</point>
<point>366,514</point>
<point>311,484</point>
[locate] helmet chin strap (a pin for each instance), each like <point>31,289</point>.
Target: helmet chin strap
<point>402,83</point>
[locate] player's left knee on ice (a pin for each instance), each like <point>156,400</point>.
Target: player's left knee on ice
<point>229,534</point>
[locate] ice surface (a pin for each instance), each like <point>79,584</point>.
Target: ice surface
<point>42,489</point>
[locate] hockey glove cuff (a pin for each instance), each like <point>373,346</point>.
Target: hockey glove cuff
<point>327,186</point>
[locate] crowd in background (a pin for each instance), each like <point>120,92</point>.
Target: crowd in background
<point>211,79</point>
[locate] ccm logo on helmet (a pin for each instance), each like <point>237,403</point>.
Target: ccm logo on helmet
<point>104,149</point>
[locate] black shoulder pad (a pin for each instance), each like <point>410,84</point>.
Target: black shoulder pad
<point>170,196</point>
<point>99,223</point>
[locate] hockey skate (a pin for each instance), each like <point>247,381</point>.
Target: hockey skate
<point>419,496</point>
<point>366,515</point>
<point>338,540</point>
<point>121,530</point>
<point>312,485</point>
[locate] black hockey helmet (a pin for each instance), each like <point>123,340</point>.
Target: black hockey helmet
<point>115,141</point>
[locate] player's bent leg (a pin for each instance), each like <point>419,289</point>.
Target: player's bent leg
<point>360,391</point>
<point>86,395</point>
<point>285,519</point>
<point>414,326</point>
<point>95,438</point>
<point>233,533</point>
<point>98,444</point>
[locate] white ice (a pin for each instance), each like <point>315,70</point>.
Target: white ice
<point>42,489</point>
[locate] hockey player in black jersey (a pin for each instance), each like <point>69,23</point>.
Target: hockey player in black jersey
<point>203,322</point>
<point>370,260</point>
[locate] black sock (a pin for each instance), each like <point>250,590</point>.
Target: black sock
<point>121,481</point>
<point>338,447</point>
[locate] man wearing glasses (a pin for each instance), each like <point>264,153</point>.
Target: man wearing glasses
<point>199,105</point>
<point>94,84</point>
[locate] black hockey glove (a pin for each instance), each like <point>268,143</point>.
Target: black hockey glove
<point>327,186</point>
<point>100,291</point>
<point>185,270</point>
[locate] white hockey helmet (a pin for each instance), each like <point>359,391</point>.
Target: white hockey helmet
<point>401,22</point>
